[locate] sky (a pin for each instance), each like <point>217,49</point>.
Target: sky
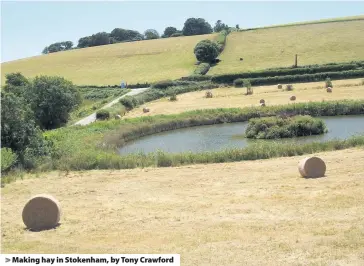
<point>27,27</point>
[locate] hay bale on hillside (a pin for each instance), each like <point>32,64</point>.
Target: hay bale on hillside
<point>329,89</point>
<point>312,167</point>
<point>118,117</point>
<point>262,101</point>
<point>280,86</point>
<point>208,94</point>
<point>262,104</point>
<point>41,212</point>
<point>146,110</point>
<point>292,98</point>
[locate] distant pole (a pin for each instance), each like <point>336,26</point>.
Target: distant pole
<point>295,62</point>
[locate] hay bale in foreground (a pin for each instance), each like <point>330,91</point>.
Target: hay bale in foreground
<point>280,86</point>
<point>329,89</point>
<point>41,212</point>
<point>312,167</point>
<point>145,110</point>
<point>118,117</point>
<point>292,98</point>
<point>262,101</point>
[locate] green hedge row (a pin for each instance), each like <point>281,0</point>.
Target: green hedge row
<point>229,78</point>
<point>202,69</point>
<point>307,77</point>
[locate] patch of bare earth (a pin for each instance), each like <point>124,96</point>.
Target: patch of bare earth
<point>246,213</point>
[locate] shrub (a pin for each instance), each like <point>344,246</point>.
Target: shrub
<point>163,84</point>
<point>8,159</point>
<point>239,83</point>
<point>328,83</point>
<point>173,98</point>
<point>248,86</point>
<point>102,114</point>
<point>276,127</point>
<point>279,86</point>
<point>206,51</point>
<point>202,69</point>
<point>129,102</point>
<point>289,87</point>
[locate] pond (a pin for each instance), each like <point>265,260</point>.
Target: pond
<point>224,136</point>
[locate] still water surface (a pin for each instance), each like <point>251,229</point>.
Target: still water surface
<point>224,136</point>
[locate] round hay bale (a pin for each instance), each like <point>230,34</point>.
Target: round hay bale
<point>145,110</point>
<point>262,104</point>
<point>118,117</point>
<point>262,101</point>
<point>280,86</point>
<point>312,167</point>
<point>329,89</point>
<point>292,98</point>
<point>208,94</point>
<point>41,212</point>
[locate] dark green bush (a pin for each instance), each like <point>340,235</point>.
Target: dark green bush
<point>202,69</point>
<point>129,102</point>
<point>276,127</point>
<point>206,51</point>
<point>328,83</point>
<point>239,83</point>
<point>102,114</point>
<point>163,84</point>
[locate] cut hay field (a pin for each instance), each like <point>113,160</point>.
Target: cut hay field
<point>247,213</point>
<point>133,62</point>
<point>235,97</point>
<point>276,47</point>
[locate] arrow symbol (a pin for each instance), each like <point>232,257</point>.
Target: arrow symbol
<point>7,260</point>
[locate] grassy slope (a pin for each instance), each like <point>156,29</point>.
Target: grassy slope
<point>144,61</point>
<point>276,47</point>
<point>235,98</point>
<point>261,212</point>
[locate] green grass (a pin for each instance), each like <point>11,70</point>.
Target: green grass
<point>143,61</point>
<point>276,47</point>
<point>94,146</point>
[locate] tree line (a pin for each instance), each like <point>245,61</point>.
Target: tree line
<point>192,26</point>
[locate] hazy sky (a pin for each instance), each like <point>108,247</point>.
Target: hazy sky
<point>27,27</point>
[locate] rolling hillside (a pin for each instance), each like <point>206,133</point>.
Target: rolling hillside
<point>144,61</point>
<point>276,47</point>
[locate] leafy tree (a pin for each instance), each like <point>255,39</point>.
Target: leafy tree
<point>169,31</point>
<point>196,26</point>
<point>151,34</point>
<point>19,131</point>
<point>206,51</point>
<point>237,26</point>
<point>219,26</point>
<point>100,38</point>
<point>123,35</point>
<point>16,83</point>
<point>52,99</point>
<point>58,47</point>
<point>84,42</point>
